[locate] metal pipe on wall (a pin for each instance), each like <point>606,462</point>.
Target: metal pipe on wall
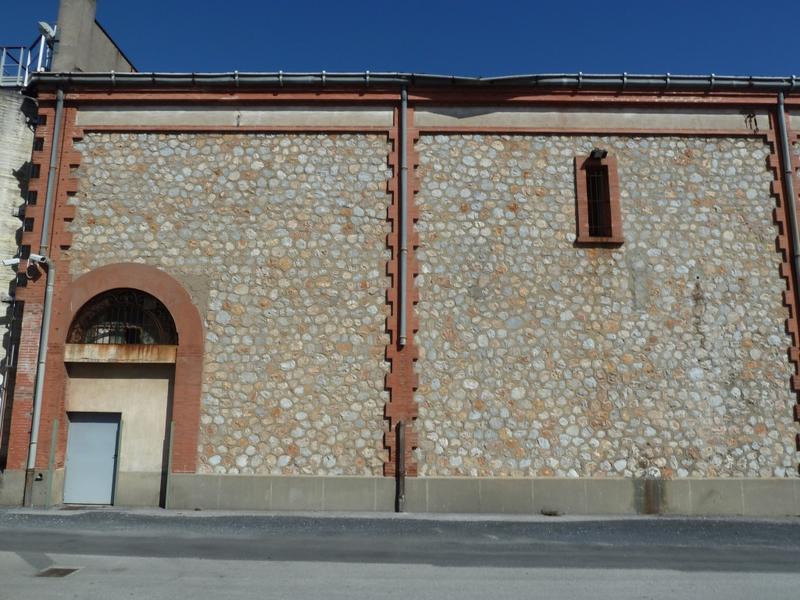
<point>44,243</point>
<point>788,178</point>
<point>400,466</point>
<point>402,209</point>
<point>38,393</point>
<point>402,285</point>
<point>44,332</point>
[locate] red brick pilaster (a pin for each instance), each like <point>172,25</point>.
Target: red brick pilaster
<point>30,293</point>
<point>784,244</point>
<point>21,409</point>
<point>402,378</point>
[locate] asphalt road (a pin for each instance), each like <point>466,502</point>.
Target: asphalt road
<point>150,554</point>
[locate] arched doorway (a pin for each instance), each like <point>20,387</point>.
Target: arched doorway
<point>120,360</point>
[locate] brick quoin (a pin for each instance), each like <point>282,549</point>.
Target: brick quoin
<point>791,296</point>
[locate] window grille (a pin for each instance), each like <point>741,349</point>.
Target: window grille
<point>598,199</point>
<point>123,317</point>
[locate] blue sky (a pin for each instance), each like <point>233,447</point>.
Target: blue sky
<point>464,37</point>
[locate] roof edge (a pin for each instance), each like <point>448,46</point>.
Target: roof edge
<point>554,81</point>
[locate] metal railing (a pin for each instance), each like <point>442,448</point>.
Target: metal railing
<point>18,63</point>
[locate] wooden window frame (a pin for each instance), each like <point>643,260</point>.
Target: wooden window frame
<point>582,202</point>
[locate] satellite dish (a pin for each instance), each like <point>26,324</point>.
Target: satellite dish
<point>47,31</point>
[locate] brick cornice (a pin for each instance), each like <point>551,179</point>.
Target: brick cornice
<point>417,95</point>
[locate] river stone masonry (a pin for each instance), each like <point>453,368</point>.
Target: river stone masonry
<point>665,357</point>
<point>280,241</point>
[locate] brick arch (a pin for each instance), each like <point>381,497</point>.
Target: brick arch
<point>187,388</point>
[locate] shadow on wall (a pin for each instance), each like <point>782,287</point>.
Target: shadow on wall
<point>11,310</point>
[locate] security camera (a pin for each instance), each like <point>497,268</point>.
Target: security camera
<point>10,262</point>
<point>37,258</point>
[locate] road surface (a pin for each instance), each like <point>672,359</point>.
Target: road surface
<point>164,554</point>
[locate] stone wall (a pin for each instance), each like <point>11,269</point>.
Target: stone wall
<point>16,139</point>
<point>796,147</point>
<point>664,357</point>
<point>280,240</point>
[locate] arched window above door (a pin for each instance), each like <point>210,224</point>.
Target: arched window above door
<point>123,316</point>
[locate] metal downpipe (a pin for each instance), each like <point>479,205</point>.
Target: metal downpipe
<point>44,244</point>
<point>402,209</point>
<point>788,178</point>
<point>402,291</point>
<point>44,333</point>
<point>400,467</point>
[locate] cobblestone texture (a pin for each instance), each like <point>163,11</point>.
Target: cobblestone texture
<point>15,156</point>
<point>665,357</point>
<point>796,147</point>
<point>280,240</point>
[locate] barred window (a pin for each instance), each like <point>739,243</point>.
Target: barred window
<point>123,316</point>
<point>598,199</point>
<point>598,216</point>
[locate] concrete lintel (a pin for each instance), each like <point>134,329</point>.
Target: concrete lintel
<point>208,116</point>
<point>594,118</point>
<point>120,353</point>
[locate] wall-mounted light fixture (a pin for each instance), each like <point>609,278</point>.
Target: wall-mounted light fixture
<point>48,31</point>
